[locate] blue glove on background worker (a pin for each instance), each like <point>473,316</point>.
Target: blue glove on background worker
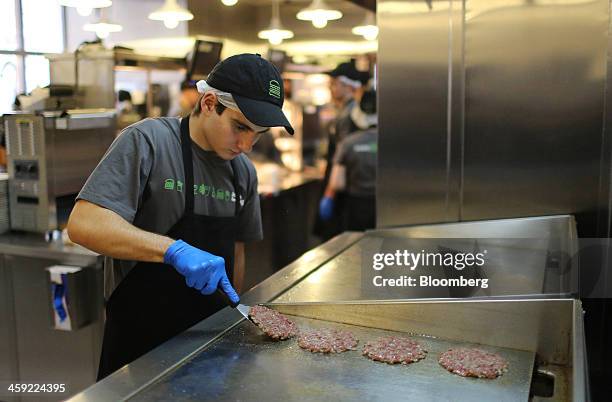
<point>326,208</point>
<point>202,270</point>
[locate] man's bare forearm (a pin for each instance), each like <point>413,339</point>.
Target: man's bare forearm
<point>337,180</point>
<point>105,232</point>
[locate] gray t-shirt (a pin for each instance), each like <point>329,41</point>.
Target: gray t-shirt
<point>141,178</point>
<point>357,153</point>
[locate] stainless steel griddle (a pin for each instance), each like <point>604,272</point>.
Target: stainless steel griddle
<point>223,357</point>
<point>245,364</point>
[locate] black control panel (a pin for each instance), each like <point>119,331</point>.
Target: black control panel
<point>27,170</point>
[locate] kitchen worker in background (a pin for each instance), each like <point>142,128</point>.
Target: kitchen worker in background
<point>354,170</point>
<point>345,86</point>
<point>126,113</point>
<point>189,97</point>
<point>171,204</point>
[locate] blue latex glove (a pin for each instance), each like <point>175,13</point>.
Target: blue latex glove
<point>202,270</point>
<point>326,208</point>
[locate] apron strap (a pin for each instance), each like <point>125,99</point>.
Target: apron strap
<point>187,164</point>
<point>236,184</point>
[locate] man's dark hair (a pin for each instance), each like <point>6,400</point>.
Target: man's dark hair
<point>124,95</point>
<point>197,109</point>
<point>188,84</point>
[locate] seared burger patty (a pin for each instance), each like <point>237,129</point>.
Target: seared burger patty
<point>273,323</point>
<point>470,362</point>
<point>327,341</point>
<point>393,350</point>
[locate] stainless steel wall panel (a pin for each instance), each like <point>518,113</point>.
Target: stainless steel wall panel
<point>493,109</point>
<point>535,74</point>
<point>456,107</point>
<point>413,112</point>
<point>604,217</point>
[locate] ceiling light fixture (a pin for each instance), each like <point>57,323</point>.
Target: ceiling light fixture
<point>103,28</point>
<point>85,7</point>
<point>275,33</point>
<point>229,3</point>
<point>171,14</point>
<point>319,13</point>
<point>368,29</point>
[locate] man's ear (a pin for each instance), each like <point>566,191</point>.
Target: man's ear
<point>208,102</point>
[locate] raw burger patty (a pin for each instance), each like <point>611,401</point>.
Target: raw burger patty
<point>393,349</point>
<point>273,323</point>
<point>327,340</point>
<point>469,362</point>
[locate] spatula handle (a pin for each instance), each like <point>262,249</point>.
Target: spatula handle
<point>227,299</point>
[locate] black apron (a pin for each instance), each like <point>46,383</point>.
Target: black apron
<point>360,212</point>
<point>153,303</point>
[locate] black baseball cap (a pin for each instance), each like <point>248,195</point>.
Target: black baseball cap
<point>256,86</point>
<point>349,71</point>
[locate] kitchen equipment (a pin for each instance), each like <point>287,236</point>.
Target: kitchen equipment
<point>49,156</point>
<point>316,286</point>
<point>243,362</point>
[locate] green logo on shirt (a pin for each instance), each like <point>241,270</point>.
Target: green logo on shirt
<point>204,190</point>
<point>169,184</point>
<point>373,147</point>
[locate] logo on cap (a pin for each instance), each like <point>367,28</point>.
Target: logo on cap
<point>275,89</point>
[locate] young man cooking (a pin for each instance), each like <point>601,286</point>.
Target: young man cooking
<point>171,204</point>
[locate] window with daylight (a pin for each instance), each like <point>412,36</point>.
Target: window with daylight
<point>42,26</point>
<point>29,29</point>
<point>8,25</point>
<point>8,81</point>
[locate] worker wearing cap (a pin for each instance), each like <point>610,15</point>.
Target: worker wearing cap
<point>345,83</point>
<point>189,97</point>
<point>171,204</point>
<point>354,170</point>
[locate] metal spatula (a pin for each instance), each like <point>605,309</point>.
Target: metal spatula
<point>242,308</point>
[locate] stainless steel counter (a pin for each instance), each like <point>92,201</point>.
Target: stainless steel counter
<point>34,245</point>
<point>30,348</point>
<point>331,273</point>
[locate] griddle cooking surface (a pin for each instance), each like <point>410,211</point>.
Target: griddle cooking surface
<point>245,366</point>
